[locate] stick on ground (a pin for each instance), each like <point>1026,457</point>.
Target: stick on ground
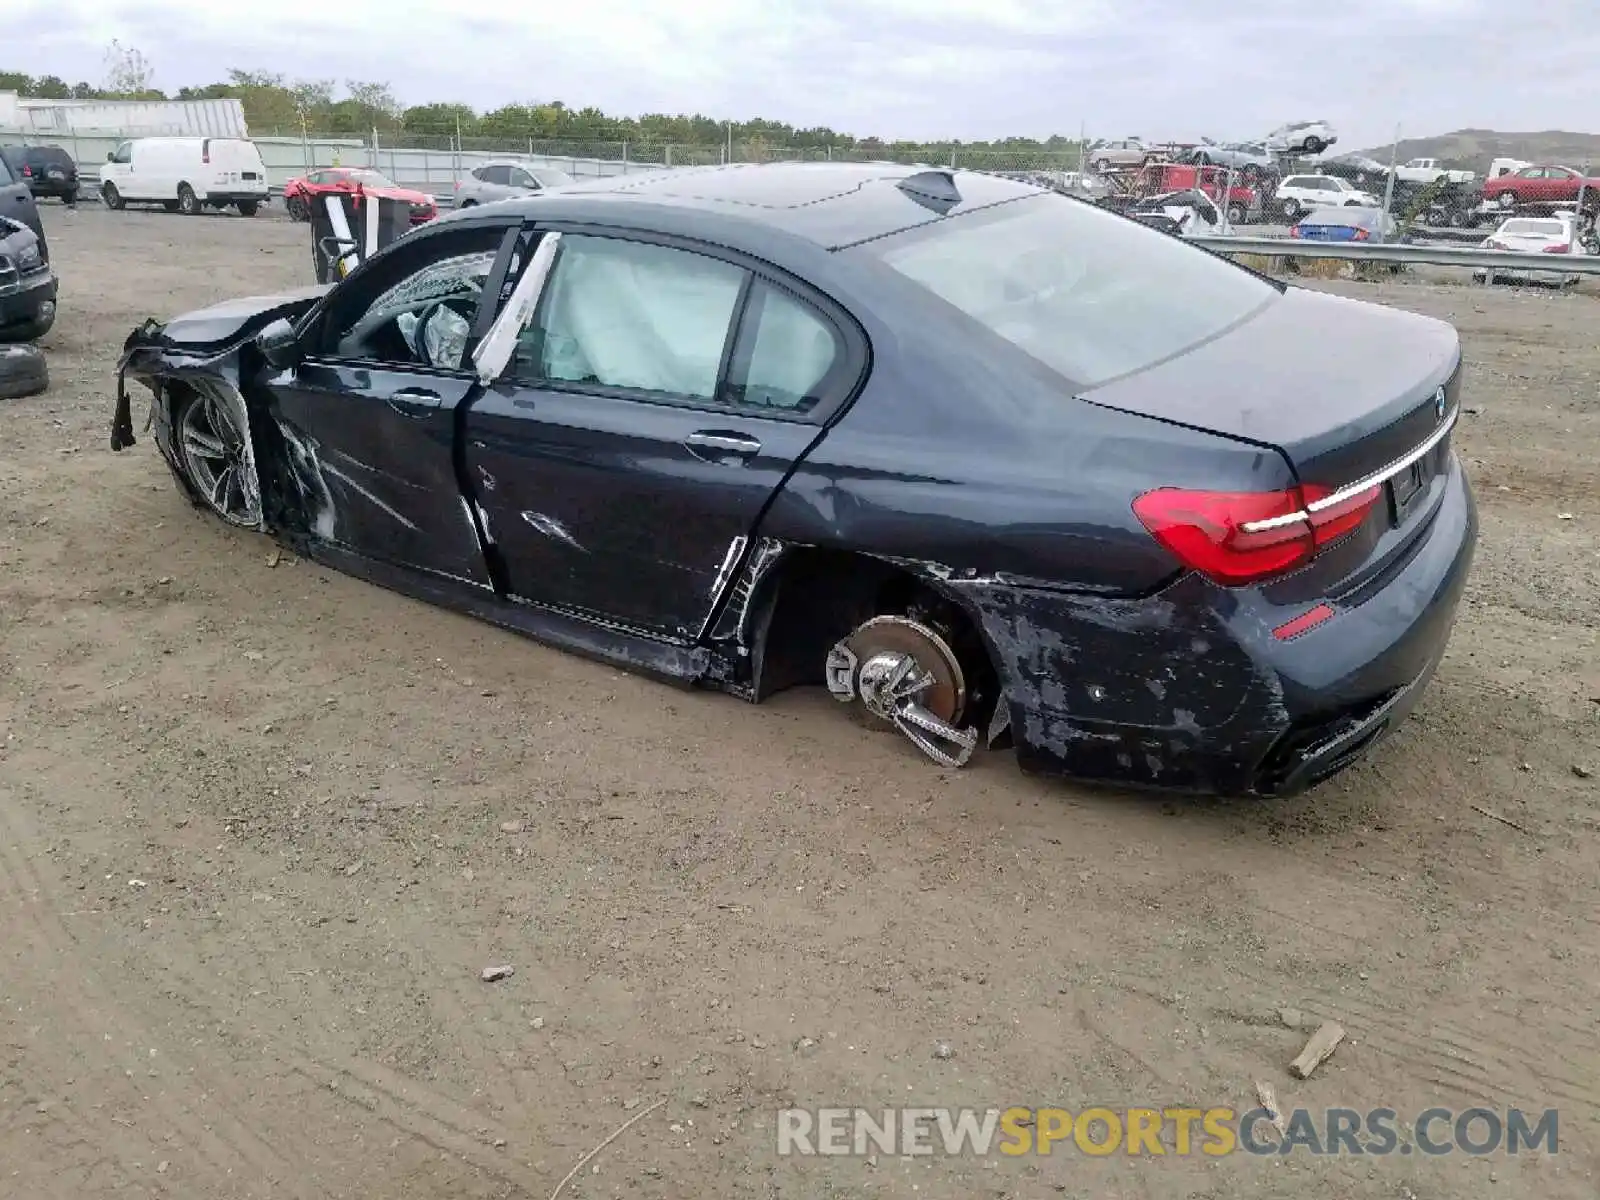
<point>1318,1049</point>
<point>620,1130</point>
<point>1269,1101</point>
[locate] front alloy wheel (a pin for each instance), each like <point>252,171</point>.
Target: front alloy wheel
<point>216,453</point>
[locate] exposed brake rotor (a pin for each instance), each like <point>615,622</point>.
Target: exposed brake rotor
<point>902,674</point>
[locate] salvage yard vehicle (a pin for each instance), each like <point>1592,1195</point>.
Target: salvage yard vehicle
<point>17,204</point>
<point>1538,237</point>
<point>1122,152</point>
<point>27,284</point>
<point>1346,223</point>
<point>1541,189</point>
<point>504,178</point>
<point>1187,213</point>
<point>991,464</point>
<point>1430,170</point>
<point>1299,194</point>
<point>1301,137</point>
<point>47,170</point>
<point>185,175</point>
<point>301,193</point>
<point>1252,162</point>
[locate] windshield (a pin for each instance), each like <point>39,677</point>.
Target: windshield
<point>1091,294</point>
<point>369,179</point>
<point>1545,228</point>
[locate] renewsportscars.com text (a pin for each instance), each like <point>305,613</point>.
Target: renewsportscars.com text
<point>1155,1132</point>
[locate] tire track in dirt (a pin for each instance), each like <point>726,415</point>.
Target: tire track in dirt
<point>400,1102</point>
<point>1486,1065</point>
<point>222,1142</point>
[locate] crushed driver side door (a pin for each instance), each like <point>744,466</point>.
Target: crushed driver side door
<point>367,419</point>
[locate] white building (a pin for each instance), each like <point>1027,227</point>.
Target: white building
<point>28,115</point>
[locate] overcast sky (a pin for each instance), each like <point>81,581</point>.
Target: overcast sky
<point>917,69</point>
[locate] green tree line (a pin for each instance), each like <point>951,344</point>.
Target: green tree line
<point>276,104</point>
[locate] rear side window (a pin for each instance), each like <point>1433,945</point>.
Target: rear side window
<point>787,355</point>
<point>1088,293</point>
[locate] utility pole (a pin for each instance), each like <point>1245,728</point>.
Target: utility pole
<point>1388,188</point>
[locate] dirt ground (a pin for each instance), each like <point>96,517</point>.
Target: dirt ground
<point>254,853</point>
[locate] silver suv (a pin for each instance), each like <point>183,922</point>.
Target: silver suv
<point>1121,152</point>
<point>504,178</point>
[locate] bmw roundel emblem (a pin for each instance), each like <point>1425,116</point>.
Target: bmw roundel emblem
<point>1439,403</point>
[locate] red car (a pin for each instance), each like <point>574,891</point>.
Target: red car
<point>298,194</point>
<point>1244,202</point>
<point>1541,185</point>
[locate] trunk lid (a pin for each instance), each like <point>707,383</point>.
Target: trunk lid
<point>1341,388</point>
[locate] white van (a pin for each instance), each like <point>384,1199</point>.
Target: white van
<point>185,174</point>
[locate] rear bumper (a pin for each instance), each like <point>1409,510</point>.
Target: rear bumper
<point>61,188</point>
<point>1190,691</point>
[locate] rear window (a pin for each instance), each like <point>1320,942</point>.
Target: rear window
<point>1091,294</point>
<point>1548,228</point>
<point>49,156</point>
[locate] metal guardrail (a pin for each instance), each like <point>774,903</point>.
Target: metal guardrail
<point>1404,252</point>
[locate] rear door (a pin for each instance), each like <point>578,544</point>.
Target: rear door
<point>660,396</point>
<point>368,419</point>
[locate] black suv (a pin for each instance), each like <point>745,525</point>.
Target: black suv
<point>16,201</point>
<point>46,170</point>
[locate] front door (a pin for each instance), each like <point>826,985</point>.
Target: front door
<point>658,399</point>
<point>368,419</point>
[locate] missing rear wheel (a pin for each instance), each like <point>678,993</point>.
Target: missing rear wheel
<point>897,673</point>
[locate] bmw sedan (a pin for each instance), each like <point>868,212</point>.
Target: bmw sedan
<point>992,465</point>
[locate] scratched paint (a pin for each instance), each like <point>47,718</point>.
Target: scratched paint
<point>552,528</point>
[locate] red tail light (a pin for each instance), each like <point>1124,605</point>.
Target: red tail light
<point>1564,248</point>
<point>27,172</point>
<point>1362,235</point>
<point>1237,538</point>
<point>1294,231</point>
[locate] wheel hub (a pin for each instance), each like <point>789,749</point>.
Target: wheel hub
<point>903,675</point>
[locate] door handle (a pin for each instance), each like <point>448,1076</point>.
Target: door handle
<point>414,402</point>
<point>737,444</point>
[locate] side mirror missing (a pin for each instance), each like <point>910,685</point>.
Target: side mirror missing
<point>279,345</point>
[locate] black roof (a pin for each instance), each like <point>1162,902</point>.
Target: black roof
<point>830,204</point>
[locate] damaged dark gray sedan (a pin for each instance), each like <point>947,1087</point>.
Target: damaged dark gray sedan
<point>991,464</point>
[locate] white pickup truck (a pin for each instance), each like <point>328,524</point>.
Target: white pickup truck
<point>1429,170</point>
